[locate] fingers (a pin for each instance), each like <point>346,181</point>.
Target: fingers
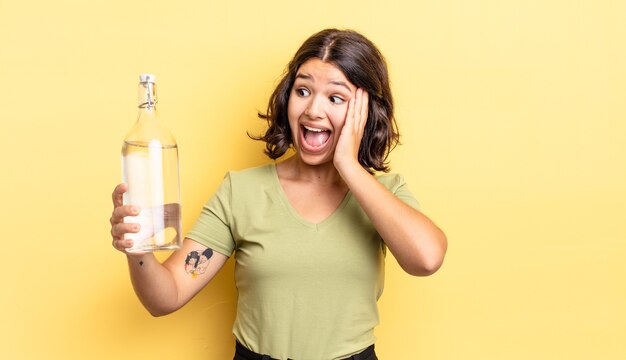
<point>357,110</point>
<point>352,131</point>
<point>350,113</point>
<point>117,233</point>
<point>120,212</point>
<point>121,244</point>
<point>360,109</point>
<point>118,230</point>
<point>119,227</point>
<point>364,108</point>
<point>118,194</point>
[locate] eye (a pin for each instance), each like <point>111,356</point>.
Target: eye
<point>336,100</point>
<point>302,92</point>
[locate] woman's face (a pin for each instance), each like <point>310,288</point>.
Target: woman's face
<point>317,109</point>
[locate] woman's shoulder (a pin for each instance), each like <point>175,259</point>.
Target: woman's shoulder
<point>391,181</point>
<point>251,176</point>
<point>398,186</point>
<point>251,172</point>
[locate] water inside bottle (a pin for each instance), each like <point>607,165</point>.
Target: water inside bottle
<point>151,172</point>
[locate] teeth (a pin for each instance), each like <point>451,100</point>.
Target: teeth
<point>313,129</point>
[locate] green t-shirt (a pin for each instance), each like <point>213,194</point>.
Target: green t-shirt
<point>306,291</point>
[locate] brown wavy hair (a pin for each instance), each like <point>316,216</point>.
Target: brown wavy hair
<point>365,67</point>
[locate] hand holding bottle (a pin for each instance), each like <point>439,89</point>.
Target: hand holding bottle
<point>118,227</point>
<point>139,221</point>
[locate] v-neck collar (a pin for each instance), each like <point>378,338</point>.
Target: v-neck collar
<point>295,215</point>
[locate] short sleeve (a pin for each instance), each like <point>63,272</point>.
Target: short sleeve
<point>398,186</point>
<point>213,226</point>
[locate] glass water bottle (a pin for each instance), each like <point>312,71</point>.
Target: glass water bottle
<point>150,168</point>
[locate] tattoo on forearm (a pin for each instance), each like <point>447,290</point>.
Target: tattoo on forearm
<point>196,263</point>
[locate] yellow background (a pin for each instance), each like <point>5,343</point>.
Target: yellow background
<point>513,122</point>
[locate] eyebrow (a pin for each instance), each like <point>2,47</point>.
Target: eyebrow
<point>334,82</point>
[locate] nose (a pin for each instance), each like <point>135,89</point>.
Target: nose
<point>314,109</point>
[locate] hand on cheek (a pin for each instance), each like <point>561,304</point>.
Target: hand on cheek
<point>347,150</point>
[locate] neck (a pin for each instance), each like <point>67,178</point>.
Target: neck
<point>294,168</point>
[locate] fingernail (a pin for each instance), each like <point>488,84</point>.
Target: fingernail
<point>135,227</point>
<point>135,210</point>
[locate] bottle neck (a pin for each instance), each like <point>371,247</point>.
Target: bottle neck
<point>147,101</point>
<point>148,128</point>
<point>147,95</point>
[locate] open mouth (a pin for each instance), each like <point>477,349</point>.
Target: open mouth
<point>315,138</point>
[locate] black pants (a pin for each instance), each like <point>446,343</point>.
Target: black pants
<point>241,353</point>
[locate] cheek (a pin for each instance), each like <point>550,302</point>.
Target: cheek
<point>339,118</point>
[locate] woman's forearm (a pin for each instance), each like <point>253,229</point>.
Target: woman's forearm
<point>414,240</point>
<point>153,283</point>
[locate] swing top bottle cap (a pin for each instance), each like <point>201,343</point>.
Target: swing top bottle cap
<point>147,78</point>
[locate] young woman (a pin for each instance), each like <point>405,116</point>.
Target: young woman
<point>309,233</point>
